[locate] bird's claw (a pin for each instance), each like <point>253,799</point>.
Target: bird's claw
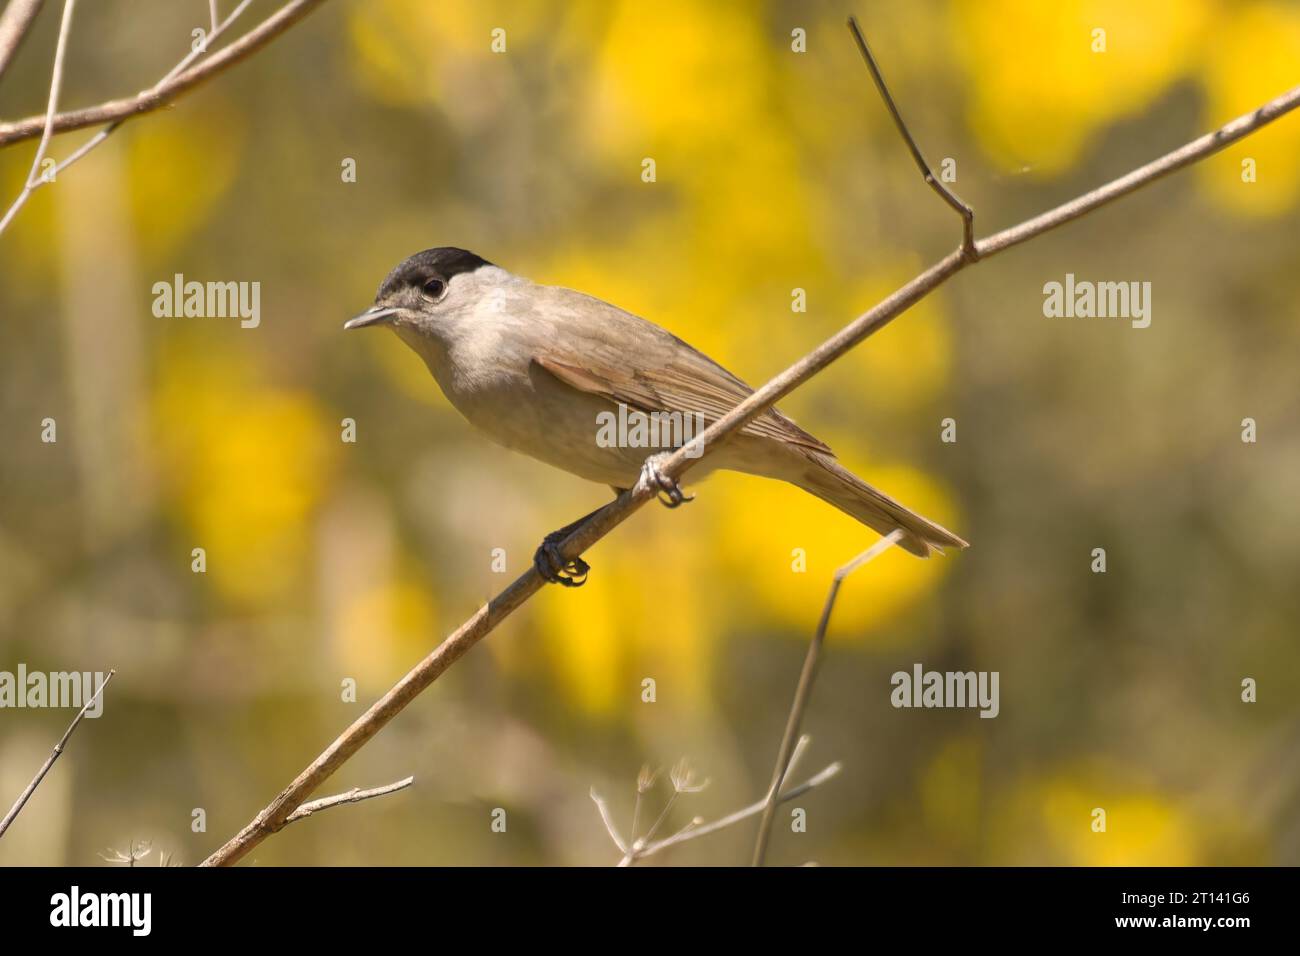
<point>667,490</point>
<point>552,566</point>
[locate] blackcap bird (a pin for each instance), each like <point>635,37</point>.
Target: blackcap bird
<point>539,369</point>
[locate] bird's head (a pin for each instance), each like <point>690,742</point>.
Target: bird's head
<point>424,290</point>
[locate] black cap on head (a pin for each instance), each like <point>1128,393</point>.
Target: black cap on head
<point>441,263</point>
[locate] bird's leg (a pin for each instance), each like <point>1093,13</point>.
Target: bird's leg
<point>552,566</point>
<point>550,563</point>
<point>667,490</point>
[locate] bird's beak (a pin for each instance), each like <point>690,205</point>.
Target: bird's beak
<point>369,317</point>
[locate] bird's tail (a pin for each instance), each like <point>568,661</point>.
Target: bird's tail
<point>833,483</point>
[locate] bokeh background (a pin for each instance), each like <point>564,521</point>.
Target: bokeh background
<point>775,170</point>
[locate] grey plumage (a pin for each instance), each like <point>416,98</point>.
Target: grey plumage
<point>532,366</point>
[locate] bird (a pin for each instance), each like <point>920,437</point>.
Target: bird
<point>536,368</point>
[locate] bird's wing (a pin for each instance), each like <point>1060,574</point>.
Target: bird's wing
<point>688,382</point>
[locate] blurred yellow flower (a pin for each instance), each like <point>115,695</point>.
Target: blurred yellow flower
<point>383,631</point>
<point>682,84</point>
<point>1040,88</point>
<point>647,612</point>
<point>907,363</point>
<point>1054,821</point>
<point>409,52</point>
<point>586,645</point>
<point>1142,829</point>
<point>781,546</point>
<point>246,464</point>
<point>1254,57</point>
<point>677,75</point>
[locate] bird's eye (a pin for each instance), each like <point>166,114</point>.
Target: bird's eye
<point>434,288</point>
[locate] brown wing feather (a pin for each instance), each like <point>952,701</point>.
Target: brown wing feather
<point>704,387</point>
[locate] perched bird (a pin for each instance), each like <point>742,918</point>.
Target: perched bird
<point>535,366</point>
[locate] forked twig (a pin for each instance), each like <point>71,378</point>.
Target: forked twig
<point>177,83</point>
<point>967,214</point>
<point>33,183</point>
<point>355,795</point>
<point>745,813</point>
<point>787,753</point>
<point>56,83</point>
<point>696,828</point>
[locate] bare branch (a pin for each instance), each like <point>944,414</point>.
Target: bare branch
<point>56,83</point>
<point>355,795</point>
<point>32,185</point>
<point>967,214</point>
<point>14,24</point>
<point>609,517</point>
<point>1193,152</point>
<point>788,752</point>
<point>173,88</point>
<point>26,795</point>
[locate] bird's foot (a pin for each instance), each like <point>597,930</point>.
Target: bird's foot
<point>552,566</point>
<point>666,489</point>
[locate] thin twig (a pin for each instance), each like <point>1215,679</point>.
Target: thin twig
<point>355,795</point>
<point>700,830</point>
<point>659,821</point>
<point>683,781</point>
<point>967,214</point>
<point>787,753</point>
<point>644,781</point>
<point>176,85</point>
<point>800,746</point>
<point>107,131</point>
<point>488,617</point>
<point>195,52</point>
<point>16,20</point>
<point>603,808</point>
<point>49,761</point>
<point>56,83</point>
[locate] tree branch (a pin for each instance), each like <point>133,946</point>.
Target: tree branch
<point>967,214</point>
<point>172,88</point>
<point>33,183</point>
<point>56,84</point>
<point>604,521</point>
<point>355,795</point>
<point>803,692</point>
<point>26,795</point>
<point>14,24</point>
